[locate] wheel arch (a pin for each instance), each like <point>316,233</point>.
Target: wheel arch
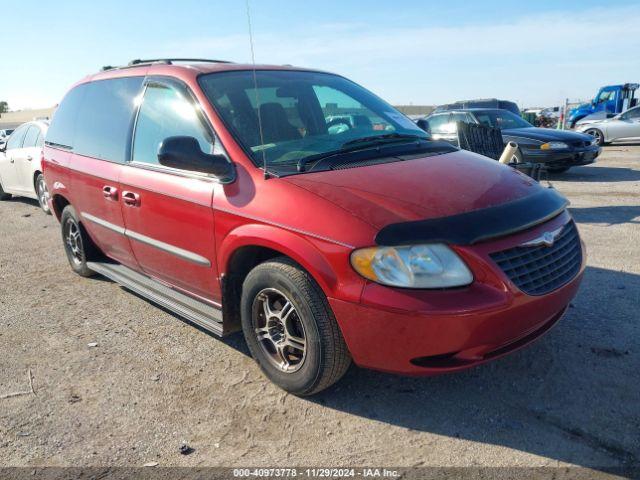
<point>59,201</point>
<point>249,245</point>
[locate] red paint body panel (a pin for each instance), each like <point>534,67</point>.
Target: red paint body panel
<point>87,178</point>
<point>177,211</point>
<point>392,326</point>
<point>318,219</point>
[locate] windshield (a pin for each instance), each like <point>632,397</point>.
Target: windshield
<point>301,114</point>
<point>501,119</point>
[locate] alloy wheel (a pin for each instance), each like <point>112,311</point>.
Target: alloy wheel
<point>73,241</point>
<point>597,134</point>
<point>279,330</point>
<point>43,194</point>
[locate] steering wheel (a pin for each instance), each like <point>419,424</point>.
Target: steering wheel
<point>339,121</point>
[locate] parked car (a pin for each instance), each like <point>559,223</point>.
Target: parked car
<point>4,135</point>
<point>558,150</point>
<point>625,126</point>
<point>609,101</point>
<point>20,164</point>
<point>480,103</point>
<point>239,209</point>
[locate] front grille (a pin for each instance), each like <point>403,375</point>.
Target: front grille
<point>580,143</point>
<point>540,269</point>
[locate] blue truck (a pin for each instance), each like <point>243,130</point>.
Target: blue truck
<point>609,101</point>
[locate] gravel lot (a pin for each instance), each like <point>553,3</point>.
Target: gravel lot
<point>154,382</point>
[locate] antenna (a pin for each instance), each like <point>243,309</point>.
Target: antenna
<point>257,95</point>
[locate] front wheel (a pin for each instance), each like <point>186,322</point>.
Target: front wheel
<point>598,135</point>
<point>290,328</point>
<point>43,194</point>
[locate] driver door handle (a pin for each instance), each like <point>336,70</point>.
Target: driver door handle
<point>29,157</point>
<point>131,199</point>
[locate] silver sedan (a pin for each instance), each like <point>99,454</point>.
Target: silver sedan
<point>625,126</point>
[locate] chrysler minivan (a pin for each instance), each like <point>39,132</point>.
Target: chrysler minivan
<point>227,194</point>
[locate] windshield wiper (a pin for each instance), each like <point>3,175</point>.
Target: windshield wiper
<point>357,144</point>
<point>384,138</point>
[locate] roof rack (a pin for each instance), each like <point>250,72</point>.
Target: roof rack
<point>166,61</point>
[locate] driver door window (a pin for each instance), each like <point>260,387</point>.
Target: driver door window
<point>166,112</point>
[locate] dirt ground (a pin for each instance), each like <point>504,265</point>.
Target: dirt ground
<point>153,382</point>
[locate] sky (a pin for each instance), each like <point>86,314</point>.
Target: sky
<point>419,52</point>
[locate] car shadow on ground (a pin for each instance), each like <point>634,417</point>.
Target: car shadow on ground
<point>612,215</point>
<point>568,395</point>
<point>596,174</point>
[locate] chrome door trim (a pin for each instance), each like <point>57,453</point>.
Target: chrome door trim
<point>165,247</point>
<point>104,223</point>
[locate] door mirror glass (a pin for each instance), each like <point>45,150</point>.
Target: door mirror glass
<point>184,153</point>
<point>423,124</point>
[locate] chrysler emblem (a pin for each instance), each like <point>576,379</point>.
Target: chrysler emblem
<point>547,239</point>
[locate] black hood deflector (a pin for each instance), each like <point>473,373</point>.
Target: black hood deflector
<point>478,225</point>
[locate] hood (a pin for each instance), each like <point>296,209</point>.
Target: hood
<point>419,188</point>
<point>580,109</point>
<point>546,134</point>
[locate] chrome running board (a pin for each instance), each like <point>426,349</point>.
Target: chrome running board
<point>200,313</point>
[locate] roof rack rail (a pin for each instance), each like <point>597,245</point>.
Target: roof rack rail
<point>166,61</point>
<point>170,61</point>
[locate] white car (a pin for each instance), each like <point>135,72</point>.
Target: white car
<point>20,164</point>
<point>624,126</point>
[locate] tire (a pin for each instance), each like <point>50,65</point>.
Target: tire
<point>3,194</point>
<point>79,248</point>
<point>599,136</point>
<point>309,323</point>
<point>42,193</point>
<point>557,169</point>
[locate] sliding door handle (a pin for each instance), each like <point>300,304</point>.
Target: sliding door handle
<point>131,199</point>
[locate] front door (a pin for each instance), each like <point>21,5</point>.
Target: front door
<point>167,212</point>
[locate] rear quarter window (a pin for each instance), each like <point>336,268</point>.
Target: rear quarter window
<point>105,119</point>
<point>62,130</point>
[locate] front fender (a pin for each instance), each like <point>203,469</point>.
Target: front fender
<point>326,262</point>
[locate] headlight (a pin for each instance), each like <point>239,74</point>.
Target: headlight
<point>553,146</point>
<point>415,266</point>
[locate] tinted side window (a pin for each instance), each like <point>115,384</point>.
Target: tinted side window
<point>105,118</point>
<point>632,114</point>
<point>166,112</point>
<point>62,130</point>
<point>31,137</point>
<point>16,138</point>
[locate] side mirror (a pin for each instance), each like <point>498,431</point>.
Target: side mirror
<point>184,153</point>
<point>423,124</point>
<point>3,146</point>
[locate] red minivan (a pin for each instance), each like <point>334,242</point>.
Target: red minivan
<point>299,207</point>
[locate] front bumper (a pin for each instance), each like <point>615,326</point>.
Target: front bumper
<point>571,157</point>
<point>419,332</point>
